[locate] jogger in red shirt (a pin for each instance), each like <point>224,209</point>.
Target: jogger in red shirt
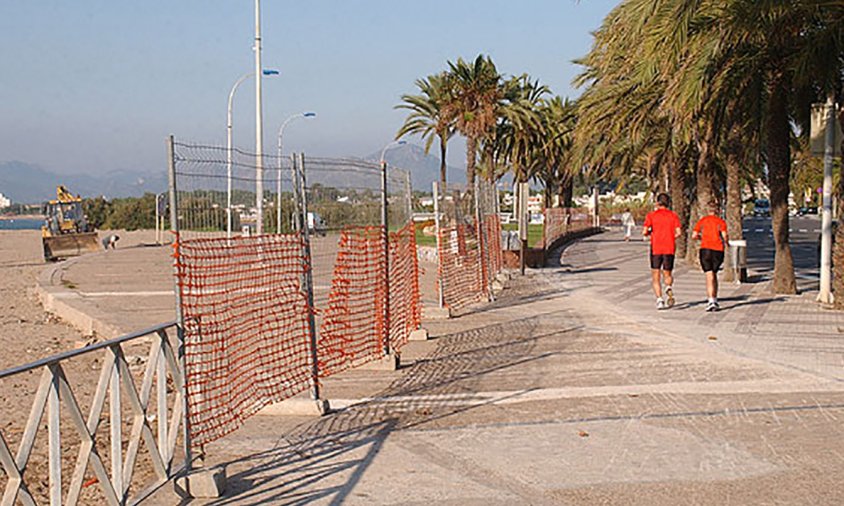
<point>663,227</point>
<point>712,232</point>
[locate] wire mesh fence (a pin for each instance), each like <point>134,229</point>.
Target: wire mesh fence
<point>216,192</point>
<point>318,276</point>
<point>469,243</point>
<point>560,221</point>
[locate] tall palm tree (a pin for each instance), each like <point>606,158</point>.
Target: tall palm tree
<point>475,95</point>
<point>427,118</point>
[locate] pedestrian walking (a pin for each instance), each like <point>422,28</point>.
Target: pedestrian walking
<point>711,230</point>
<point>110,241</point>
<point>663,228</point>
<point>628,222</point>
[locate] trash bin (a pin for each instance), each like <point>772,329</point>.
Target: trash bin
<point>738,259</point>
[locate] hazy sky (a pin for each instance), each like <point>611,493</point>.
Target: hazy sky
<point>96,85</point>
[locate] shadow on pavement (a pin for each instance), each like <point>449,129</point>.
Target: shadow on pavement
<point>326,458</point>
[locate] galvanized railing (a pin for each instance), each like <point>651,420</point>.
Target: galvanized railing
<point>55,396</point>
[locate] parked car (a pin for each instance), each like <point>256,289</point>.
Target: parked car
<point>762,207</point>
<point>803,211</point>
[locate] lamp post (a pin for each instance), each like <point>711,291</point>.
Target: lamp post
<point>825,289</point>
<point>386,241</point>
<point>278,188</point>
<point>266,72</point>
<point>259,125</point>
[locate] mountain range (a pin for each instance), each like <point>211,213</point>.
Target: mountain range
<point>24,182</point>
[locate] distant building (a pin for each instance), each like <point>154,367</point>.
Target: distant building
<point>4,202</point>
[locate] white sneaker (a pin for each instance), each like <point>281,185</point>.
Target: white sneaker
<point>660,304</point>
<point>711,307</point>
<point>669,294</point>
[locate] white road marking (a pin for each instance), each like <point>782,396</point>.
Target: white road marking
<point>759,230</point>
<point>803,230</point>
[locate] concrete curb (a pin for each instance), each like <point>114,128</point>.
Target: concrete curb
<point>57,300</point>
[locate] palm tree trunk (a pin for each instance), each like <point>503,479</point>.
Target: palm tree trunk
<point>779,170</point>
<point>565,190</point>
<point>677,185</point>
<point>704,183</point>
<point>471,151</point>
<point>443,165</point>
<point>733,163</point>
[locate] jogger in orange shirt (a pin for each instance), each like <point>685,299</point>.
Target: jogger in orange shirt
<point>712,232</point>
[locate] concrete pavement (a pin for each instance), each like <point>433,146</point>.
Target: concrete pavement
<point>569,389</point>
<point>572,389</point>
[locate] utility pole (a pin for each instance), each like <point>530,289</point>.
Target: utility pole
<point>259,125</point>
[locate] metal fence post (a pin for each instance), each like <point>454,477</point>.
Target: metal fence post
<point>54,438</point>
<point>479,231</point>
<point>386,238</point>
<point>297,202</point>
<point>307,275</point>
<point>437,226</point>
<point>180,319</point>
<point>408,188</point>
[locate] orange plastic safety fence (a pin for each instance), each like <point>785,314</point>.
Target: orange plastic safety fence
<point>246,327</point>
<point>492,244</point>
<point>353,327</point>
<point>460,260</point>
<point>405,305</point>
<point>560,221</point>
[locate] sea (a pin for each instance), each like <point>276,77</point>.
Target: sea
<point>21,224</point>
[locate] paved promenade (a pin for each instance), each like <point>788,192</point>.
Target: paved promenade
<point>570,389</point>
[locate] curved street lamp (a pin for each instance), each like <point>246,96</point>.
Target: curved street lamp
<point>284,124</point>
<point>244,77</point>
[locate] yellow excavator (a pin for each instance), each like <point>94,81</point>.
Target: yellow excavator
<point>66,232</point>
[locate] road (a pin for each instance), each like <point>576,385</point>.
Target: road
<point>804,234</point>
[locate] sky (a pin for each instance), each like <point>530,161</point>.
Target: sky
<point>96,86</point>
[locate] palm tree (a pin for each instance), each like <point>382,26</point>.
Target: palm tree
<point>427,118</point>
<point>474,100</point>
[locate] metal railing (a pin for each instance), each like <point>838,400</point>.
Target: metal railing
<point>56,398</point>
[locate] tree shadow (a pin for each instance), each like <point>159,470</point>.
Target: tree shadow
<point>325,459</point>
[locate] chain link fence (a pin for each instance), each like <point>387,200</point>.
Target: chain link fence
<point>323,278</point>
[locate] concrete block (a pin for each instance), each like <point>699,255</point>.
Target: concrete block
<point>202,483</point>
<point>497,286</point>
<point>389,362</point>
<point>297,407</point>
<point>436,313</point>
<point>419,335</point>
<point>502,277</point>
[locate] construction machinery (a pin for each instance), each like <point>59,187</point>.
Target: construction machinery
<point>66,231</point>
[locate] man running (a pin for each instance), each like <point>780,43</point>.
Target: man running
<point>712,232</point>
<point>663,227</point>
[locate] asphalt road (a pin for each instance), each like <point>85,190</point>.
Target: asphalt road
<point>804,233</point>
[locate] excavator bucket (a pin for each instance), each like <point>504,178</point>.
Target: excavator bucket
<point>70,245</point>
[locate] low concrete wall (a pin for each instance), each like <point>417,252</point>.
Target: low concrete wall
<point>58,300</point>
<point>535,258</point>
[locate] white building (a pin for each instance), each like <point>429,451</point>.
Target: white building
<point>4,202</point>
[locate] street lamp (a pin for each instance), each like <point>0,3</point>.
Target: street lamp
<point>266,72</point>
<point>389,147</point>
<point>308,114</point>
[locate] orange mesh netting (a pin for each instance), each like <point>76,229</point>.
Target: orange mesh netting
<point>460,266</point>
<point>556,224</point>
<point>405,305</point>
<point>353,327</point>
<point>560,221</point>
<point>492,245</point>
<point>246,327</point>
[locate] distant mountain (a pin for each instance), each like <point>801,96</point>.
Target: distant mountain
<point>424,169</point>
<point>27,183</point>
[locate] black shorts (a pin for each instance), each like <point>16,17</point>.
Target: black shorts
<point>711,260</point>
<point>664,262</point>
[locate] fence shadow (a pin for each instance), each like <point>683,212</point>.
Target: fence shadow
<point>326,458</point>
